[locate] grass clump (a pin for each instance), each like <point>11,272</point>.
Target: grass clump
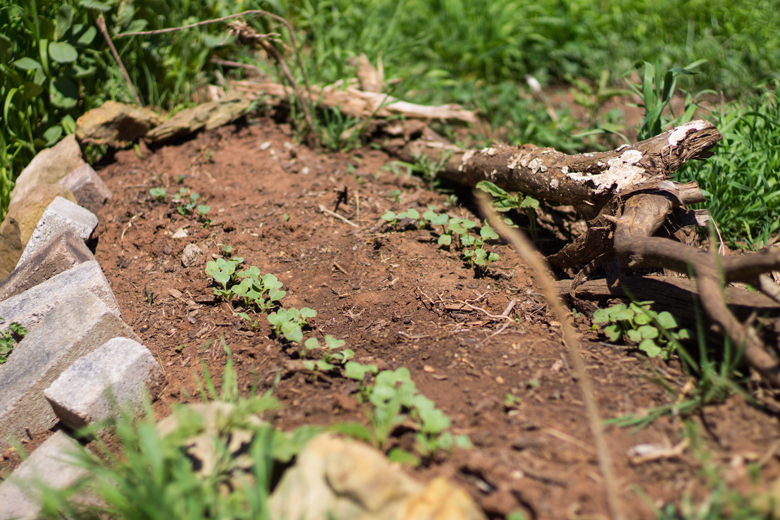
<point>742,180</point>
<point>213,460</point>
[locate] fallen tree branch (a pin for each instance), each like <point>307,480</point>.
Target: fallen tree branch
<point>361,104</point>
<point>635,248</point>
<point>585,181</point>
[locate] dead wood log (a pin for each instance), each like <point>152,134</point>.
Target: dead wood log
<point>362,104</point>
<point>586,181</point>
<point>636,248</point>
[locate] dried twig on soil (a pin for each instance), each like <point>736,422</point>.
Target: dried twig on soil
<point>334,214</point>
<point>527,251</point>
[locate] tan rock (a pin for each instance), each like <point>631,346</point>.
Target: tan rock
<point>48,167</point>
<point>349,480</point>
<point>19,224</point>
<point>442,500</point>
<point>115,124</point>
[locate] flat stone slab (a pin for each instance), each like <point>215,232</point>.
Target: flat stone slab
<point>61,214</point>
<point>22,218</point>
<point>111,379</point>
<point>76,327</point>
<point>52,464</point>
<point>88,188</point>
<point>62,252</point>
<point>115,124</point>
<point>30,307</point>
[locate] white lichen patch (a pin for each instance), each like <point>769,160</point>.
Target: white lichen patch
<point>466,158</point>
<point>565,170</point>
<point>679,133</point>
<point>516,159</point>
<point>493,175</point>
<point>631,156</point>
<point>622,173</point>
<point>621,147</point>
<point>489,151</point>
<point>554,183</point>
<point>535,165</point>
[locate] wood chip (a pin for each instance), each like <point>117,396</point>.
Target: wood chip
<point>429,369</point>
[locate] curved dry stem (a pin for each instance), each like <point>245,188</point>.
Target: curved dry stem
<point>529,253</point>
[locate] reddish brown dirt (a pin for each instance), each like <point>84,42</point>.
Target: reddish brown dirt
<point>383,292</point>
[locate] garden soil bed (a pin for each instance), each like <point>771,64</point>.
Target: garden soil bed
<point>397,299</point>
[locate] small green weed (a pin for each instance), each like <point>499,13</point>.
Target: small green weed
<point>158,194</point>
<point>197,469</point>
<point>504,201</point>
<point>656,93</point>
<point>394,399</point>
<point>186,201</point>
<point>742,180</point>
<point>654,333</point>
<point>9,338</point>
<point>290,322</point>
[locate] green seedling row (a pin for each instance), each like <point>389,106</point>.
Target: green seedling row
<point>453,230</point>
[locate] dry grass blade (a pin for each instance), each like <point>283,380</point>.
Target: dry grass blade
<point>529,254</point>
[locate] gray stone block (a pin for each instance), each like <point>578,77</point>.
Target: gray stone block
<point>89,189</point>
<point>30,307</point>
<point>61,253</point>
<point>76,327</point>
<point>52,465</point>
<point>99,385</point>
<point>60,214</point>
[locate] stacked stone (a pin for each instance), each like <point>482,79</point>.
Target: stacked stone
<point>79,363</point>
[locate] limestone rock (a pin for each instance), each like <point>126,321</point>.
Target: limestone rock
<point>48,167</point>
<point>111,379</point>
<point>60,214</point>
<point>88,188</point>
<point>62,252</point>
<point>349,480</point>
<point>52,464</point>
<point>115,124</point>
<point>191,256</point>
<point>23,216</point>
<point>71,330</point>
<point>31,306</point>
